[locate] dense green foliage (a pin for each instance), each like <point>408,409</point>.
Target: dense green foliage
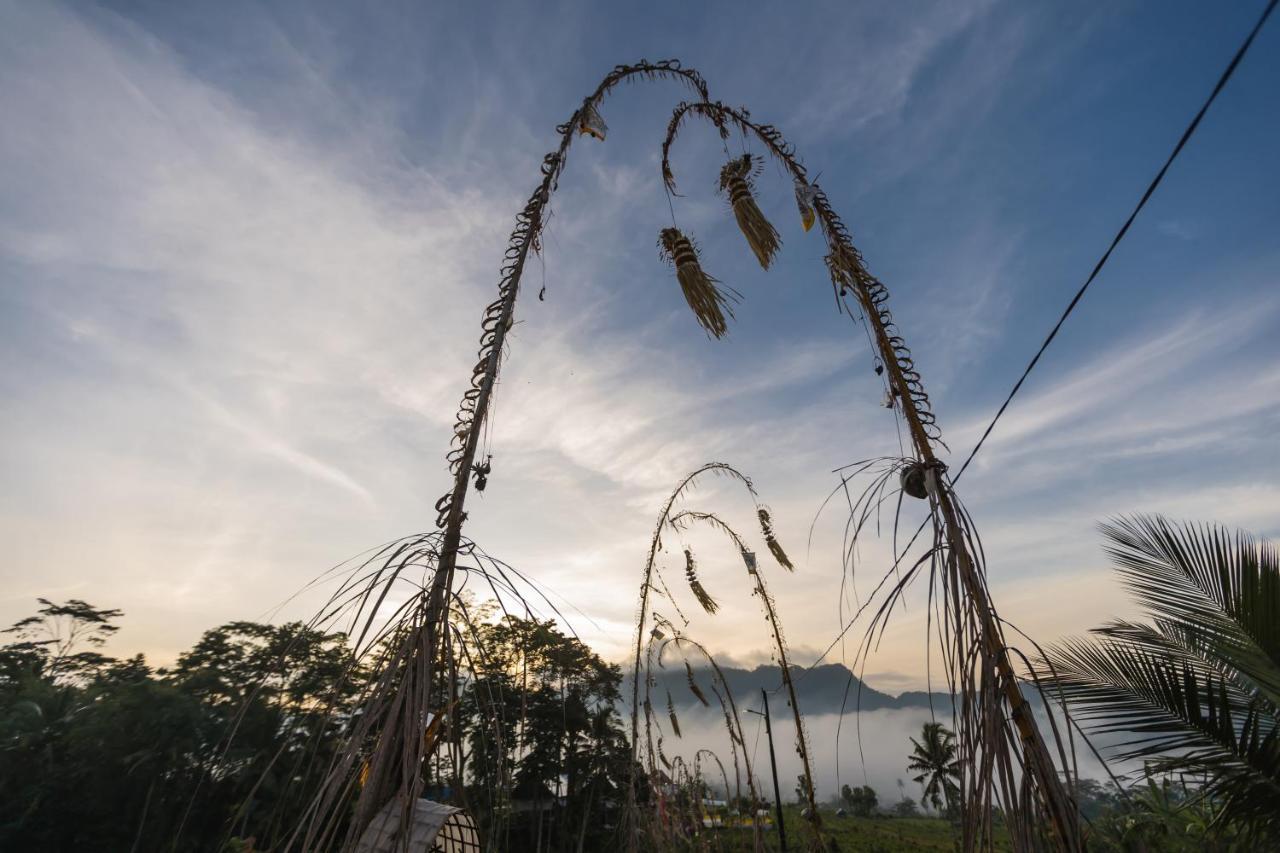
<point>105,754</point>
<point>933,758</point>
<point>1195,690</point>
<point>227,745</point>
<point>860,801</point>
<point>547,761</point>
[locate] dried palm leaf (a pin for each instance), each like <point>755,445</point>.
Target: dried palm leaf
<point>671,714</point>
<point>590,123</point>
<point>737,181</point>
<point>766,529</point>
<point>710,304</point>
<point>699,592</point>
<point>806,194</point>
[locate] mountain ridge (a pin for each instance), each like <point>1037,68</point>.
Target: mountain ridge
<point>825,689</point>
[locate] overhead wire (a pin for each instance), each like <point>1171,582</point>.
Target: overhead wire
<point>1124,229</point>
<point>1102,261</point>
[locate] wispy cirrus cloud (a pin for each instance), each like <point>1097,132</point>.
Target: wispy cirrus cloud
<point>242,285</point>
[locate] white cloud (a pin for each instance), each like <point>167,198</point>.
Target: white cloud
<point>239,345</point>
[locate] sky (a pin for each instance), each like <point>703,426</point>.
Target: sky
<point>245,247</point>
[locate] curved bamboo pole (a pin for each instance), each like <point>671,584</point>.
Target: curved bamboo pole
<point>849,274</point>
<point>646,585</point>
<point>422,642</point>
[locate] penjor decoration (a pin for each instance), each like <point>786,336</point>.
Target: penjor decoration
<point>736,180</point>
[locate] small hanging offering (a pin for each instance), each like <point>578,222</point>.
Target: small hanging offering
<point>806,198</point>
<point>591,124</point>
<point>482,471</point>
<point>736,180</point>
<point>750,559</point>
<point>709,303</point>
<point>913,480</point>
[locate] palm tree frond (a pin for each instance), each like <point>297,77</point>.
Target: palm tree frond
<point>1198,689</point>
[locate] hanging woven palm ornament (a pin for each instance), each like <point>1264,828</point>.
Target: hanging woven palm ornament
<point>591,124</point>
<point>806,198</point>
<point>736,180</point>
<point>913,480</point>
<point>710,304</point>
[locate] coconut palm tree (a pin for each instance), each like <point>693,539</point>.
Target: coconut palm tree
<point>1196,690</point>
<point>934,758</point>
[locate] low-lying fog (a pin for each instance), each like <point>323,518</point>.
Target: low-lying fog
<point>870,748</point>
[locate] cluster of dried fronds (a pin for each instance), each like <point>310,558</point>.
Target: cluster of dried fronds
<point>736,180</point>
<point>849,274</point>
<point>405,732</point>
<point>709,302</point>
<point>705,601</point>
<point>999,763</point>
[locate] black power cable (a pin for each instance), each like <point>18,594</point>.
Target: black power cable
<point>1124,229</point>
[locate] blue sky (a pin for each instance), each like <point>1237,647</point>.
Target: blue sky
<point>244,249</point>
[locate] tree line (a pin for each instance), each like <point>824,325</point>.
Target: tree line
<point>220,751</point>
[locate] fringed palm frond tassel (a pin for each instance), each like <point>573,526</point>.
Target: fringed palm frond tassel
<point>671,713</point>
<point>736,180</point>
<point>766,528</point>
<point>693,685</point>
<point>709,303</point>
<point>691,574</point>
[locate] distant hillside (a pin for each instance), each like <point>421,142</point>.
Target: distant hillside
<point>821,690</point>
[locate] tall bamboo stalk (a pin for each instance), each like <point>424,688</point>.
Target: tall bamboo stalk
<point>386,778</point>
<point>849,274</point>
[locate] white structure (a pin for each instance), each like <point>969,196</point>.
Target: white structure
<point>433,828</point>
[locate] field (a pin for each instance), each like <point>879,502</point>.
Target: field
<point>883,835</point>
